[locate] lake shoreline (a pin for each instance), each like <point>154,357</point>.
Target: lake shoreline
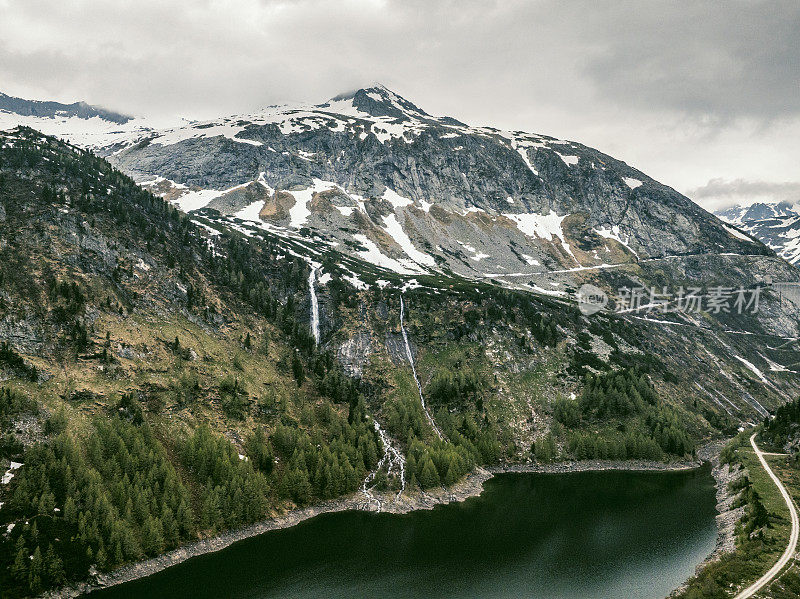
<point>470,486</point>
<point>727,515</point>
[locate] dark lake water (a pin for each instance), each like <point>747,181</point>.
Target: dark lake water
<point>582,535</point>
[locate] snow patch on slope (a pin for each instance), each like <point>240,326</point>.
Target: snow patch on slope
<point>524,154</point>
<point>631,182</point>
<point>10,472</point>
<point>395,199</point>
<point>752,367</point>
<point>736,233</point>
<point>353,279</point>
<point>613,233</point>
<point>774,366</point>
<point>299,213</point>
<point>194,200</point>
<point>204,130</point>
<point>251,212</point>
<point>373,255</point>
<point>544,226</point>
<point>394,229</point>
<point>568,160</point>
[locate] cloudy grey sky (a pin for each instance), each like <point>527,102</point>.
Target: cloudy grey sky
<point>704,96</point>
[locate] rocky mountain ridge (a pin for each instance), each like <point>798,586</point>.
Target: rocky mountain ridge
<point>373,191</point>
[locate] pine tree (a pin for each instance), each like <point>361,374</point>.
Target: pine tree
<point>35,572</point>
<point>170,526</point>
<point>53,567</point>
<point>411,467</point>
<point>297,369</point>
<point>452,474</point>
<point>298,486</point>
<point>349,476</point>
<point>185,518</point>
<point>152,536</point>
<point>47,503</point>
<point>210,514</point>
<point>20,568</point>
<point>428,476</point>
<point>102,559</point>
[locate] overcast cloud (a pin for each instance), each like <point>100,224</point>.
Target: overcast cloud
<point>689,92</point>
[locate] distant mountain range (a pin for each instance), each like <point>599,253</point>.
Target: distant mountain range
<point>775,224</point>
<point>52,110</point>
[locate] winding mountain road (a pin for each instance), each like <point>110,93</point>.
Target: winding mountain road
<point>788,555</point>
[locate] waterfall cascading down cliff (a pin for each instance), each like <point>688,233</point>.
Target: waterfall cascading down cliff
<point>314,303</point>
<point>414,370</point>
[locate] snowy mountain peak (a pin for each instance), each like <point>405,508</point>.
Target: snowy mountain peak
<point>83,124</point>
<point>378,101</point>
<point>758,211</point>
<point>371,172</point>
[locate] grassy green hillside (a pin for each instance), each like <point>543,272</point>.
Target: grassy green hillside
<point>156,383</point>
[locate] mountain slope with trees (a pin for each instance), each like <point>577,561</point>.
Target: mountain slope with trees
<point>161,382</point>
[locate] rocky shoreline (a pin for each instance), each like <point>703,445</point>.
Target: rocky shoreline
<point>597,465</point>
<point>470,486</point>
<point>727,516</point>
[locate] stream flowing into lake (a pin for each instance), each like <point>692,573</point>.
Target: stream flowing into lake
<point>582,535</point>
